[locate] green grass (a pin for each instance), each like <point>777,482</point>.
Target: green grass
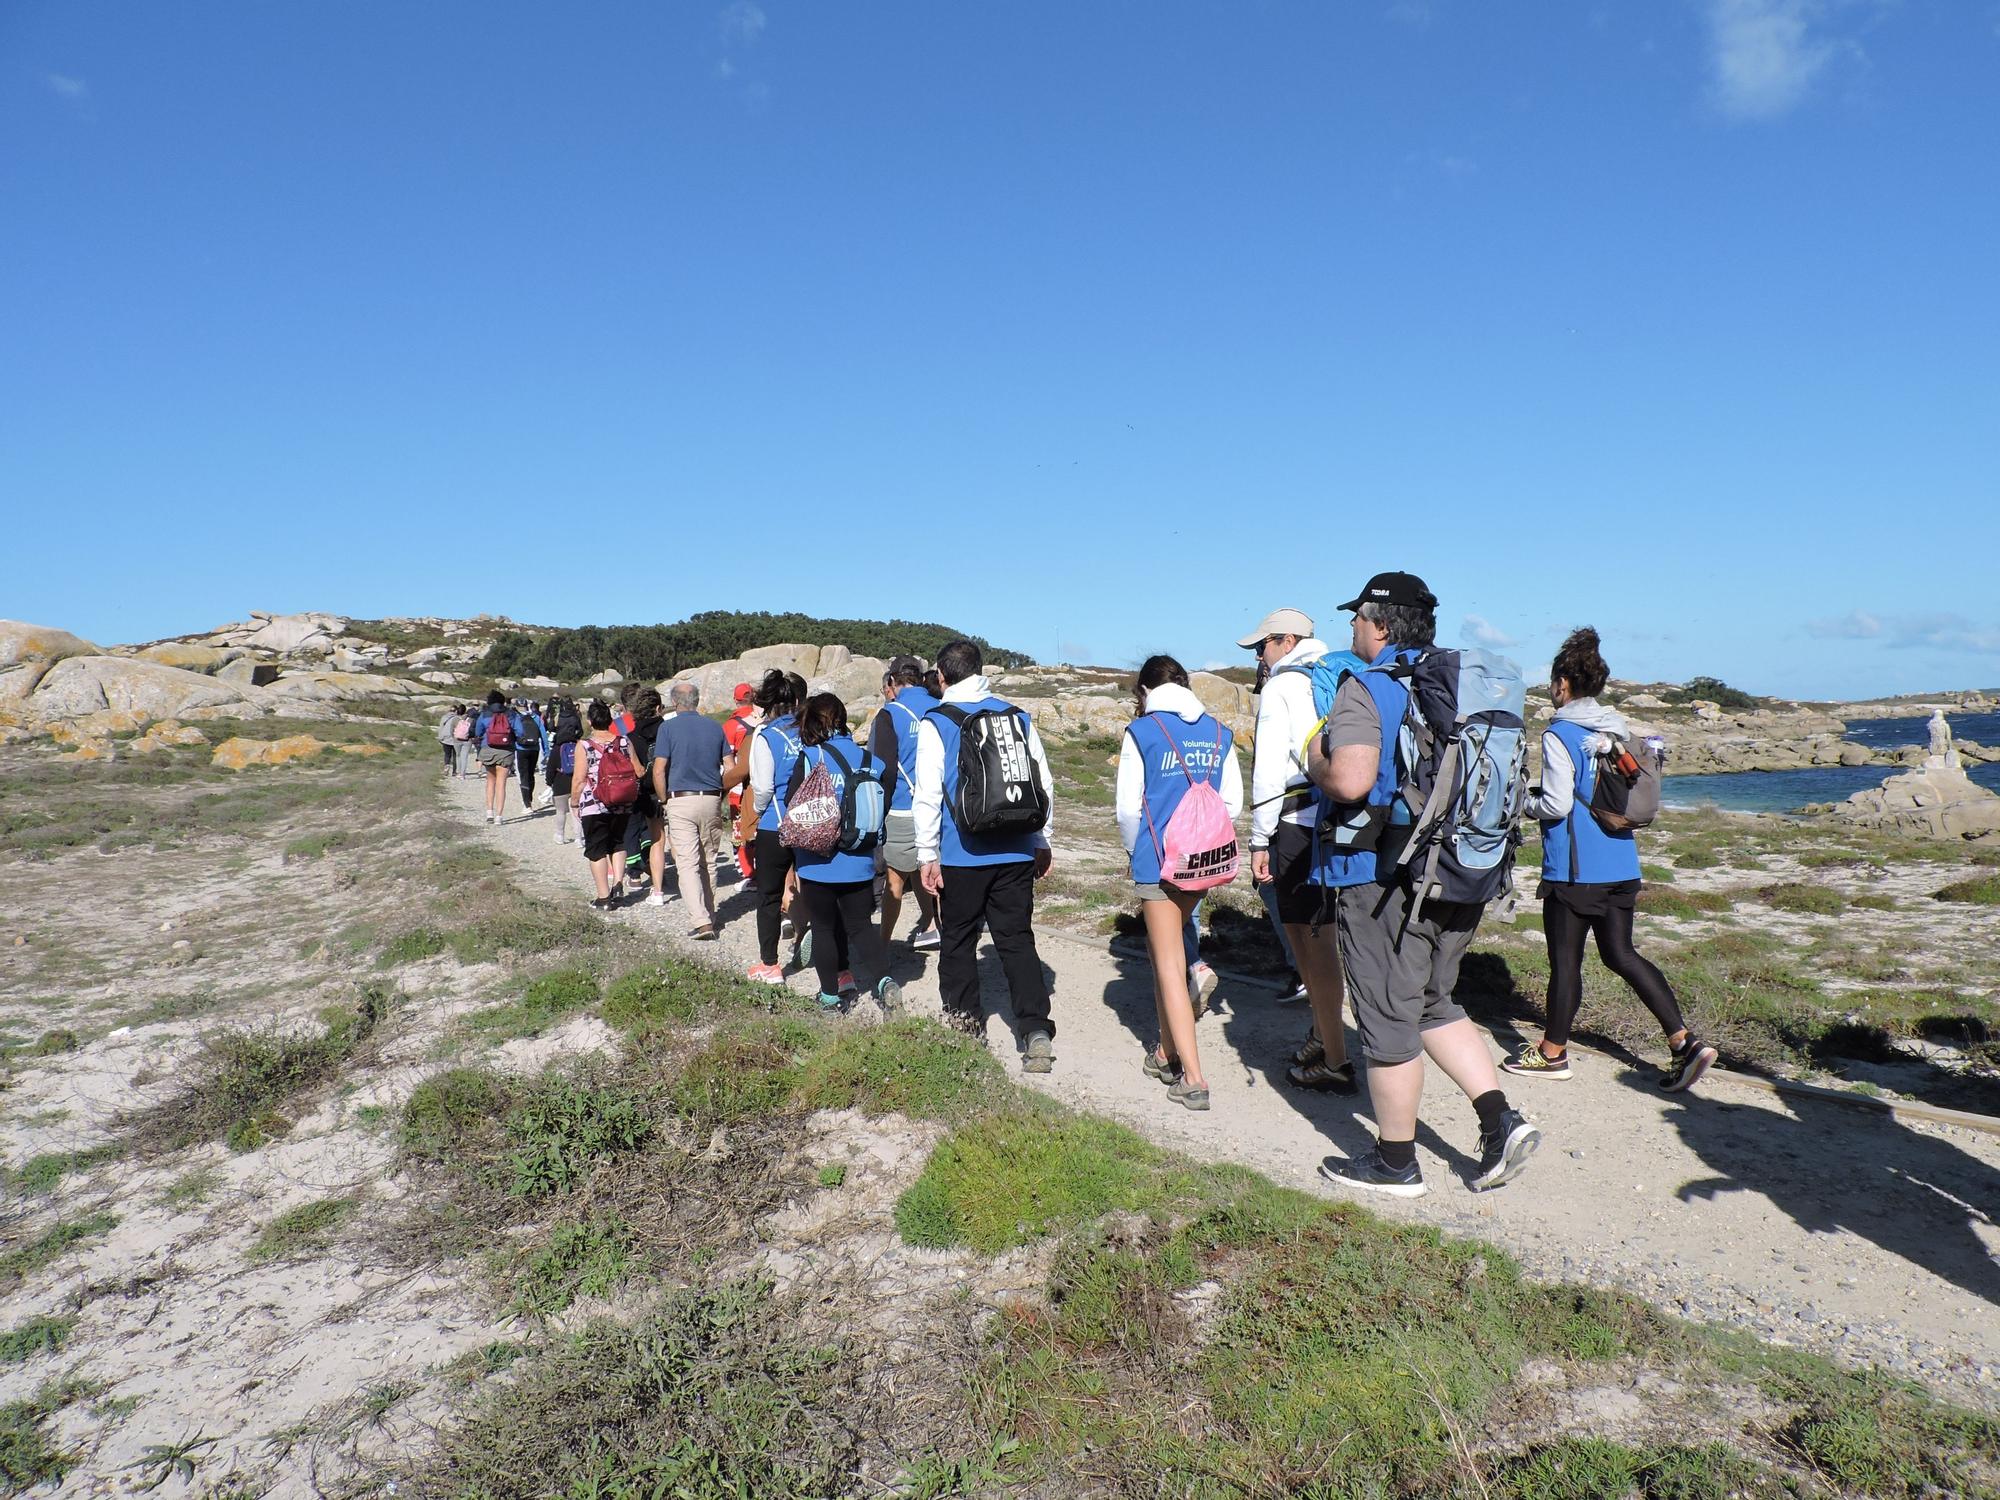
<point>548,999</point>
<point>563,1127</point>
<point>671,992</point>
<point>44,1173</point>
<point>52,1244</point>
<point>303,1231</point>
<point>38,1335</point>
<point>1980,890</point>
<point>28,1457</point>
<point>1084,768</point>
<point>579,1260</point>
<point>446,1109</point>
<point>1816,900</point>
<point>911,1067</point>
<point>746,1069</point>
<point>1582,1468</point>
<point>1665,901</point>
<point>192,1188</point>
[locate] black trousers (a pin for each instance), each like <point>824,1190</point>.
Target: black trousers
<point>774,862</point>
<point>1565,931</point>
<point>1000,898</point>
<point>525,761</point>
<point>837,909</point>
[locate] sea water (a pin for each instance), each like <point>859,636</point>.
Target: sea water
<point>1790,791</point>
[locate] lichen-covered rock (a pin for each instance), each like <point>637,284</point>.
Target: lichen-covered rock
<point>167,732</point>
<point>208,660</point>
<point>27,652</point>
<point>83,685</point>
<point>239,753</point>
<point>341,687</point>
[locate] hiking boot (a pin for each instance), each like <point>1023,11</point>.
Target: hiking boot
<point>889,995</point>
<point>924,938</point>
<point>1202,981</point>
<point>1323,1077</point>
<point>1376,1175</point>
<point>965,1023</point>
<point>1692,1058</point>
<point>1532,1062</point>
<point>764,974</point>
<point>847,985</point>
<point>1038,1053</point>
<point>1504,1151</point>
<point>1160,1069</point>
<point>1294,988</point>
<point>1311,1050</point>
<point>1191,1095</point>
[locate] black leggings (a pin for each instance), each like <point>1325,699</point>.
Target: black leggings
<point>1565,931</point>
<point>838,910</point>
<point>525,762</point>
<point>774,862</point>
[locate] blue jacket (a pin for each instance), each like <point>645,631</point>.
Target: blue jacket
<point>1166,744</point>
<point>782,736</point>
<point>522,733</point>
<point>1578,849</point>
<point>835,868</point>
<point>907,710</point>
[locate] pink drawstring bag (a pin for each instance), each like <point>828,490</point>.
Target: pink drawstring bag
<point>1200,851</point>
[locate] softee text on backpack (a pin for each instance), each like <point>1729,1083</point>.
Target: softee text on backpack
<point>999,791</point>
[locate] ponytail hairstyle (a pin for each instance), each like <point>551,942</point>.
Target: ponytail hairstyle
<point>824,717</point>
<point>1156,672</point>
<point>780,693</point>
<point>1580,664</point>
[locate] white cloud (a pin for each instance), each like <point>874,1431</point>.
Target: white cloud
<point>1765,55</point>
<point>1477,630</point>
<point>742,22</point>
<point>66,87</point>
<point>1855,625</point>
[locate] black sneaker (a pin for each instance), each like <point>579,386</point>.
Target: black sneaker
<point>1504,1151</point>
<point>1692,1058</point>
<point>1291,988</point>
<point>1377,1176</point>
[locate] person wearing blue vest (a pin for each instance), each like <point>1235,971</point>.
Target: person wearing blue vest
<point>892,740</point>
<point>1590,876</point>
<point>981,880</point>
<point>496,733</point>
<point>1172,744</point>
<point>837,889</point>
<point>1401,964</point>
<point>774,749</point>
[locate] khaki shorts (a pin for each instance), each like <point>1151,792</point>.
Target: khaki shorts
<point>493,755</point>
<point>899,842</point>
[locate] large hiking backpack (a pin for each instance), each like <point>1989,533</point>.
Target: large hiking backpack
<point>1461,772</point>
<point>862,805</point>
<point>1199,851</point>
<point>1625,790</point>
<point>613,781</point>
<point>1000,791</point>
<point>500,731</point>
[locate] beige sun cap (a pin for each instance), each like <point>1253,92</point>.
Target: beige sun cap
<point>1278,622</point>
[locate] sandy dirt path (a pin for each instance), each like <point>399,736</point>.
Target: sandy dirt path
<point>1809,1223</point>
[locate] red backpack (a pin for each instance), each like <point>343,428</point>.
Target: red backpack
<point>614,782</point>
<point>500,731</point>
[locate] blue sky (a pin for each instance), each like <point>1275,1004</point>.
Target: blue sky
<point>1095,328</point>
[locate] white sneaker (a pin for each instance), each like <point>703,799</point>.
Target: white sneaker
<point>561,840</point>
<point>656,899</point>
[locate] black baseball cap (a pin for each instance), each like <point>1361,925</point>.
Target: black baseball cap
<point>1394,588</point>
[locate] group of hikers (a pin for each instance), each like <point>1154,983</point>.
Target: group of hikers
<point>1387,794</point>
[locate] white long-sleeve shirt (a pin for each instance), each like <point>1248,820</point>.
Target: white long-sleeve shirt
<point>763,770</point>
<point>1284,718</point>
<point>1558,792</point>
<point>927,785</point>
<point>1167,698</point>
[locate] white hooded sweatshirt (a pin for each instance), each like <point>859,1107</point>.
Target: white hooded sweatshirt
<point>1167,698</point>
<point>1284,718</point>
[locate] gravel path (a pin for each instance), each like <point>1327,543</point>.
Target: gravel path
<point>1812,1224</point>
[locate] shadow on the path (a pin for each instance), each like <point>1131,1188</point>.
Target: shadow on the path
<point>1829,1166</point>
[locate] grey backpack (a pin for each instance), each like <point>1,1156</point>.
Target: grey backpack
<point>1625,791</point>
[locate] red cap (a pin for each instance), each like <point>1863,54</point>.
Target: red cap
<point>745,692</point>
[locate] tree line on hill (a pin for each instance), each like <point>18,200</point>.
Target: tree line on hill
<point>654,652</point>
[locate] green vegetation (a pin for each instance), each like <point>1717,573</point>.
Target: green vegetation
<point>52,1244</point>
<point>1715,691</point>
<point>1818,900</point>
<point>192,1188</point>
<point>44,1173</point>
<point>27,1456</point>
<point>1085,768</point>
<point>579,1260</point>
<point>564,1127</point>
<point>37,1335</point>
<point>1666,901</point>
<point>651,652</point>
<point>302,1231</point>
<point>832,1175</point>
<point>1980,890</point>
<point>550,998</point>
<point>246,1079</point>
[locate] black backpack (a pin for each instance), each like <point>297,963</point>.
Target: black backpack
<point>1000,791</point>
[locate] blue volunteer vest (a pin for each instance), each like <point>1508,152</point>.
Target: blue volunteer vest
<point>781,735</point>
<point>1601,857</point>
<point>972,849</point>
<point>1333,866</point>
<point>909,706</point>
<point>835,868</point>
<point>1202,746</point>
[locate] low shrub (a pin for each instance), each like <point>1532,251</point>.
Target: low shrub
<point>564,1127</point>
<point>579,1260</point>
<point>1816,900</point>
<point>911,1067</point>
<point>302,1231</point>
<point>1980,890</point>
